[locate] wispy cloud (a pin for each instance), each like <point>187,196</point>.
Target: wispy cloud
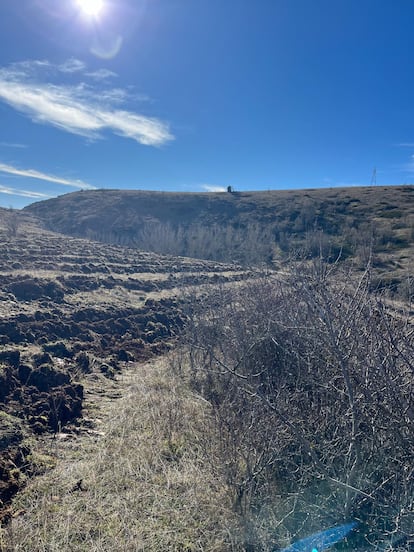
<point>101,74</point>
<point>72,65</point>
<point>29,67</point>
<point>12,145</point>
<point>82,110</point>
<point>32,173</point>
<point>22,193</point>
<point>212,188</point>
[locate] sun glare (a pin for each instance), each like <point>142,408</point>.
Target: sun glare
<point>91,8</point>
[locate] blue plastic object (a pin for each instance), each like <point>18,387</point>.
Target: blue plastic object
<point>318,542</point>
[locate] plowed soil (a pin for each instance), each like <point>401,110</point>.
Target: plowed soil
<point>70,307</point>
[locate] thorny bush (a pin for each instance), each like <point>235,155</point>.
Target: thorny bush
<point>310,379</point>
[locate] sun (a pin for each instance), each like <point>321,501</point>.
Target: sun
<point>91,8</point>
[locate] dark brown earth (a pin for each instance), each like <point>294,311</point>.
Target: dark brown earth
<point>13,463</point>
<point>69,307</point>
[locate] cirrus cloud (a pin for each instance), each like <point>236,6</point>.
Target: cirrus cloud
<point>22,193</point>
<point>82,109</point>
<point>13,145</point>
<point>72,65</point>
<point>38,175</point>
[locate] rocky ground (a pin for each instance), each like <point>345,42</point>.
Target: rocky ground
<point>70,307</point>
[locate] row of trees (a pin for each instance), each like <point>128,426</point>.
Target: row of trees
<point>250,244</point>
<point>310,379</point>
<point>257,243</point>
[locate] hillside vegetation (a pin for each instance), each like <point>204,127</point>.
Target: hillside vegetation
<point>188,405</point>
<point>248,227</point>
<point>285,409</point>
<point>310,377</point>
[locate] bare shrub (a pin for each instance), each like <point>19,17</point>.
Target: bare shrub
<point>311,382</point>
<point>248,244</point>
<point>12,223</point>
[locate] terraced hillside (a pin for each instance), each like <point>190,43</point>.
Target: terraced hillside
<point>285,409</point>
<point>251,227</point>
<point>69,307</point>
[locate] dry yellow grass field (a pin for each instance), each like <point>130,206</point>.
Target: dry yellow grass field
<point>140,476</point>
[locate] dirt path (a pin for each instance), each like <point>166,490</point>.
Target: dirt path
<point>138,474</point>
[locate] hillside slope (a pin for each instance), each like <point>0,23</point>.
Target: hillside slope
<point>250,227</point>
<point>286,409</point>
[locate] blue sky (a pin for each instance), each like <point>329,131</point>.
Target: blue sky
<point>196,95</point>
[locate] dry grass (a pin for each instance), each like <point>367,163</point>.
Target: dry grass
<point>148,478</point>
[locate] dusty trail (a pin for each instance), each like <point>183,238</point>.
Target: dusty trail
<point>136,474</point>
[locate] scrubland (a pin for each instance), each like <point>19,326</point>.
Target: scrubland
<point>155,402</point>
